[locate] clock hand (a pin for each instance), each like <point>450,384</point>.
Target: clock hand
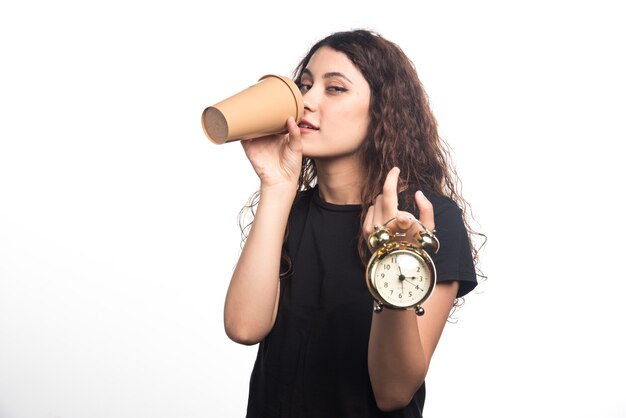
<point>416,286</point>
<point>401,277</point>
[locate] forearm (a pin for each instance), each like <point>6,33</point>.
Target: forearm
<point>252,296</point>
<point>396,360</point>
<point>402,344</point>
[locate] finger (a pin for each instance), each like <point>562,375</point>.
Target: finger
<point>408,224</point>
<point>295,137</point>
<point>368,222</point>
<point>377,211</point>
<point>427,216</point>
<point>245,144</point>
<point>390,195</point>
<point>405,221</point>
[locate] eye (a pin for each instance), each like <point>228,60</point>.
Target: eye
<point>304,87</point>
<point>336,89</point>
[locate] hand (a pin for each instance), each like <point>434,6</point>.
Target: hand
<point>276,159</point>
<point>385,208</point>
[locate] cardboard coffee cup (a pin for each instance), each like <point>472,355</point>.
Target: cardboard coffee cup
<point>261,109</point>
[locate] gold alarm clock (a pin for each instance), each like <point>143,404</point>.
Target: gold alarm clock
<point>400,274</point>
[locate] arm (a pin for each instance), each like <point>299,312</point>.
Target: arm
<point>252,297</point>
<point>401,344</point>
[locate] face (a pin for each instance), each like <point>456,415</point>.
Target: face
<point>336,106</point>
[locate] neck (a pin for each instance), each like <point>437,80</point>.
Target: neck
<point>340,182</point>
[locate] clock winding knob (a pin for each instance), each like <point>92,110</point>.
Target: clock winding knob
<point>429,241</point>
<point>379,237</point>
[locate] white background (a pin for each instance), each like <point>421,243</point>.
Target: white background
<point>118,218</point>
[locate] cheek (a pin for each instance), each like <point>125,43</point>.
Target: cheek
<point>356,113</point>
<point>362,111</point>
<point>362,119</point>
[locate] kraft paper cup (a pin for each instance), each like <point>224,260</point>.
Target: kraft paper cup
<point>261,109</point>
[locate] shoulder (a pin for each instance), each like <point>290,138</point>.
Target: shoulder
<point>448,214</point>
<point>303,199</point>
<point>301,206</point>
<point>446,210</point>
<point>443,205</point>
<point>449,219</point>
<point>454,260</point>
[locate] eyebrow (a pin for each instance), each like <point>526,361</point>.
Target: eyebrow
<point>327,75</point>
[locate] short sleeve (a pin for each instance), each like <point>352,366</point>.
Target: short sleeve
<point>453,261</point>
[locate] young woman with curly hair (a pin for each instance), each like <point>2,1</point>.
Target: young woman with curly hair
<point>367,153</point>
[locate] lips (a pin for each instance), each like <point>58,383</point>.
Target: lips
<point>305,124</point>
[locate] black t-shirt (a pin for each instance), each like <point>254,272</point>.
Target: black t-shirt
<point>313,363</point>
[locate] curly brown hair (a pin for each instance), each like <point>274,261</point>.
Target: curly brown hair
<point>402,133</point>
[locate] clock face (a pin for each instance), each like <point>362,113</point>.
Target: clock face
<point>402,278</point>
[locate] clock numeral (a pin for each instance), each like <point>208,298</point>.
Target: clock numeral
<point>387,266</point>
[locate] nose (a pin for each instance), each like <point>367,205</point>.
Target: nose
<point>308,104</point>
<point>310,100</point>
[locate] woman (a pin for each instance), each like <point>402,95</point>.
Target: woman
<point>365,154</point>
